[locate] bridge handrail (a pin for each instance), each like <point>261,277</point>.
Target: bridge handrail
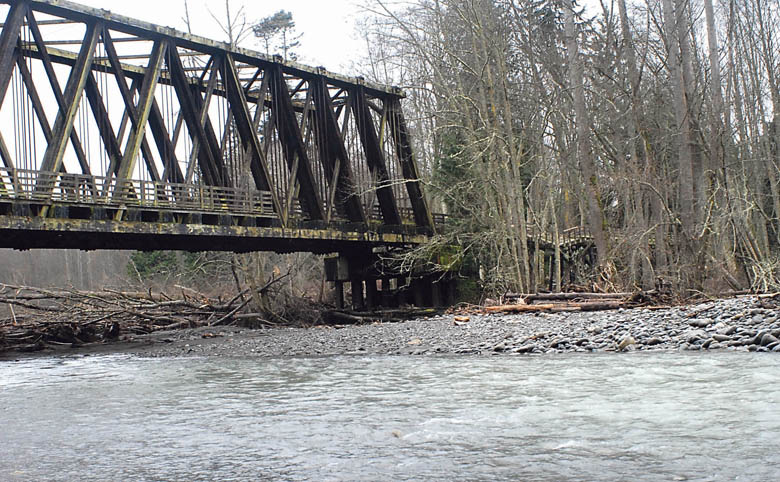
<point>80,189</point>
<point>41,186</point>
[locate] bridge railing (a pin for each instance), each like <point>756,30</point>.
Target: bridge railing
<point>567,237</point>
<point>47,187</point>
<point>24,185</point>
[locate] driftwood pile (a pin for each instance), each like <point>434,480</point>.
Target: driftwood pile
<point>37,317</point>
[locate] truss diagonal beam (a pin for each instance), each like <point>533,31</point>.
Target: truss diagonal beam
<point>171,170</point>
<point>334,157</point>
<point>403,146</point>
<point>9,38</point>
<point>374,156</point>
<point>294,147</point>
<point>55,86</point>
<point>247,132</point>
<point>105,129</point>
<point>130,107</point>
<point>194,111</point>
<point>63,125</point>
<point>145,100</point>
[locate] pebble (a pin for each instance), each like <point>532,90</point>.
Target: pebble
<point>729,323</point>
<point>626,342</point>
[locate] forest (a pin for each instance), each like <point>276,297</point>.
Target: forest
<point>653,124</point>
<point>650,124</point>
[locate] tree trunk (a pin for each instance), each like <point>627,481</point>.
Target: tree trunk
<point>595,216</point>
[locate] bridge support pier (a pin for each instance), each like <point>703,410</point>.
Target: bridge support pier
<point>363,276</point>
<point>357,295</point>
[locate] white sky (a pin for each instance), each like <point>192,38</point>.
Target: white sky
<point>328,26</point>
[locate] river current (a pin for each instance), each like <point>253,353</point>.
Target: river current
<point>658,416</point>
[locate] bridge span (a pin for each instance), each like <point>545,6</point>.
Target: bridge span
<point>119,134</point>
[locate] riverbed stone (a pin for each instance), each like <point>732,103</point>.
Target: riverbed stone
<point>720,338</point>
<point>695,336</point>
<point>701,322</point>
<point>625,342</point>
<point>768,339</point>
<point>727,330</point>
<point>500,347</point>
<point>527,348</point>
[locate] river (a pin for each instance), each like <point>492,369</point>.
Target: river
<point>656,416</point>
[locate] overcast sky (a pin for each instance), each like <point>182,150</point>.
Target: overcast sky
<point>328,26</point>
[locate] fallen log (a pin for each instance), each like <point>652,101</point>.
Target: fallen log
<point>518,308</point>
<point>558,307</point>
<point>529,298</point>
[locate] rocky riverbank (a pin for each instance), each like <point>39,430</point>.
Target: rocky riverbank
<point>745,323</point>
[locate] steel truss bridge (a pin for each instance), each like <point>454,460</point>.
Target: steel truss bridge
<point>119,134</point>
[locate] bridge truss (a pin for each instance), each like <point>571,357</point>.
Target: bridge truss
<point>115,133</point>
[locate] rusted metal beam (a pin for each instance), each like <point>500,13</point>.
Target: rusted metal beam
<point>248,132</point>
<point>63,125</point>
<point>403,147</point>
<point>9,38</point>
<point>145,100</point>
<point>374,156</point>
<point>294,147</point>
<point>334,157</point>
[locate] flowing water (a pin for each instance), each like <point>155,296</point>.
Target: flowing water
<point>661,416</point>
